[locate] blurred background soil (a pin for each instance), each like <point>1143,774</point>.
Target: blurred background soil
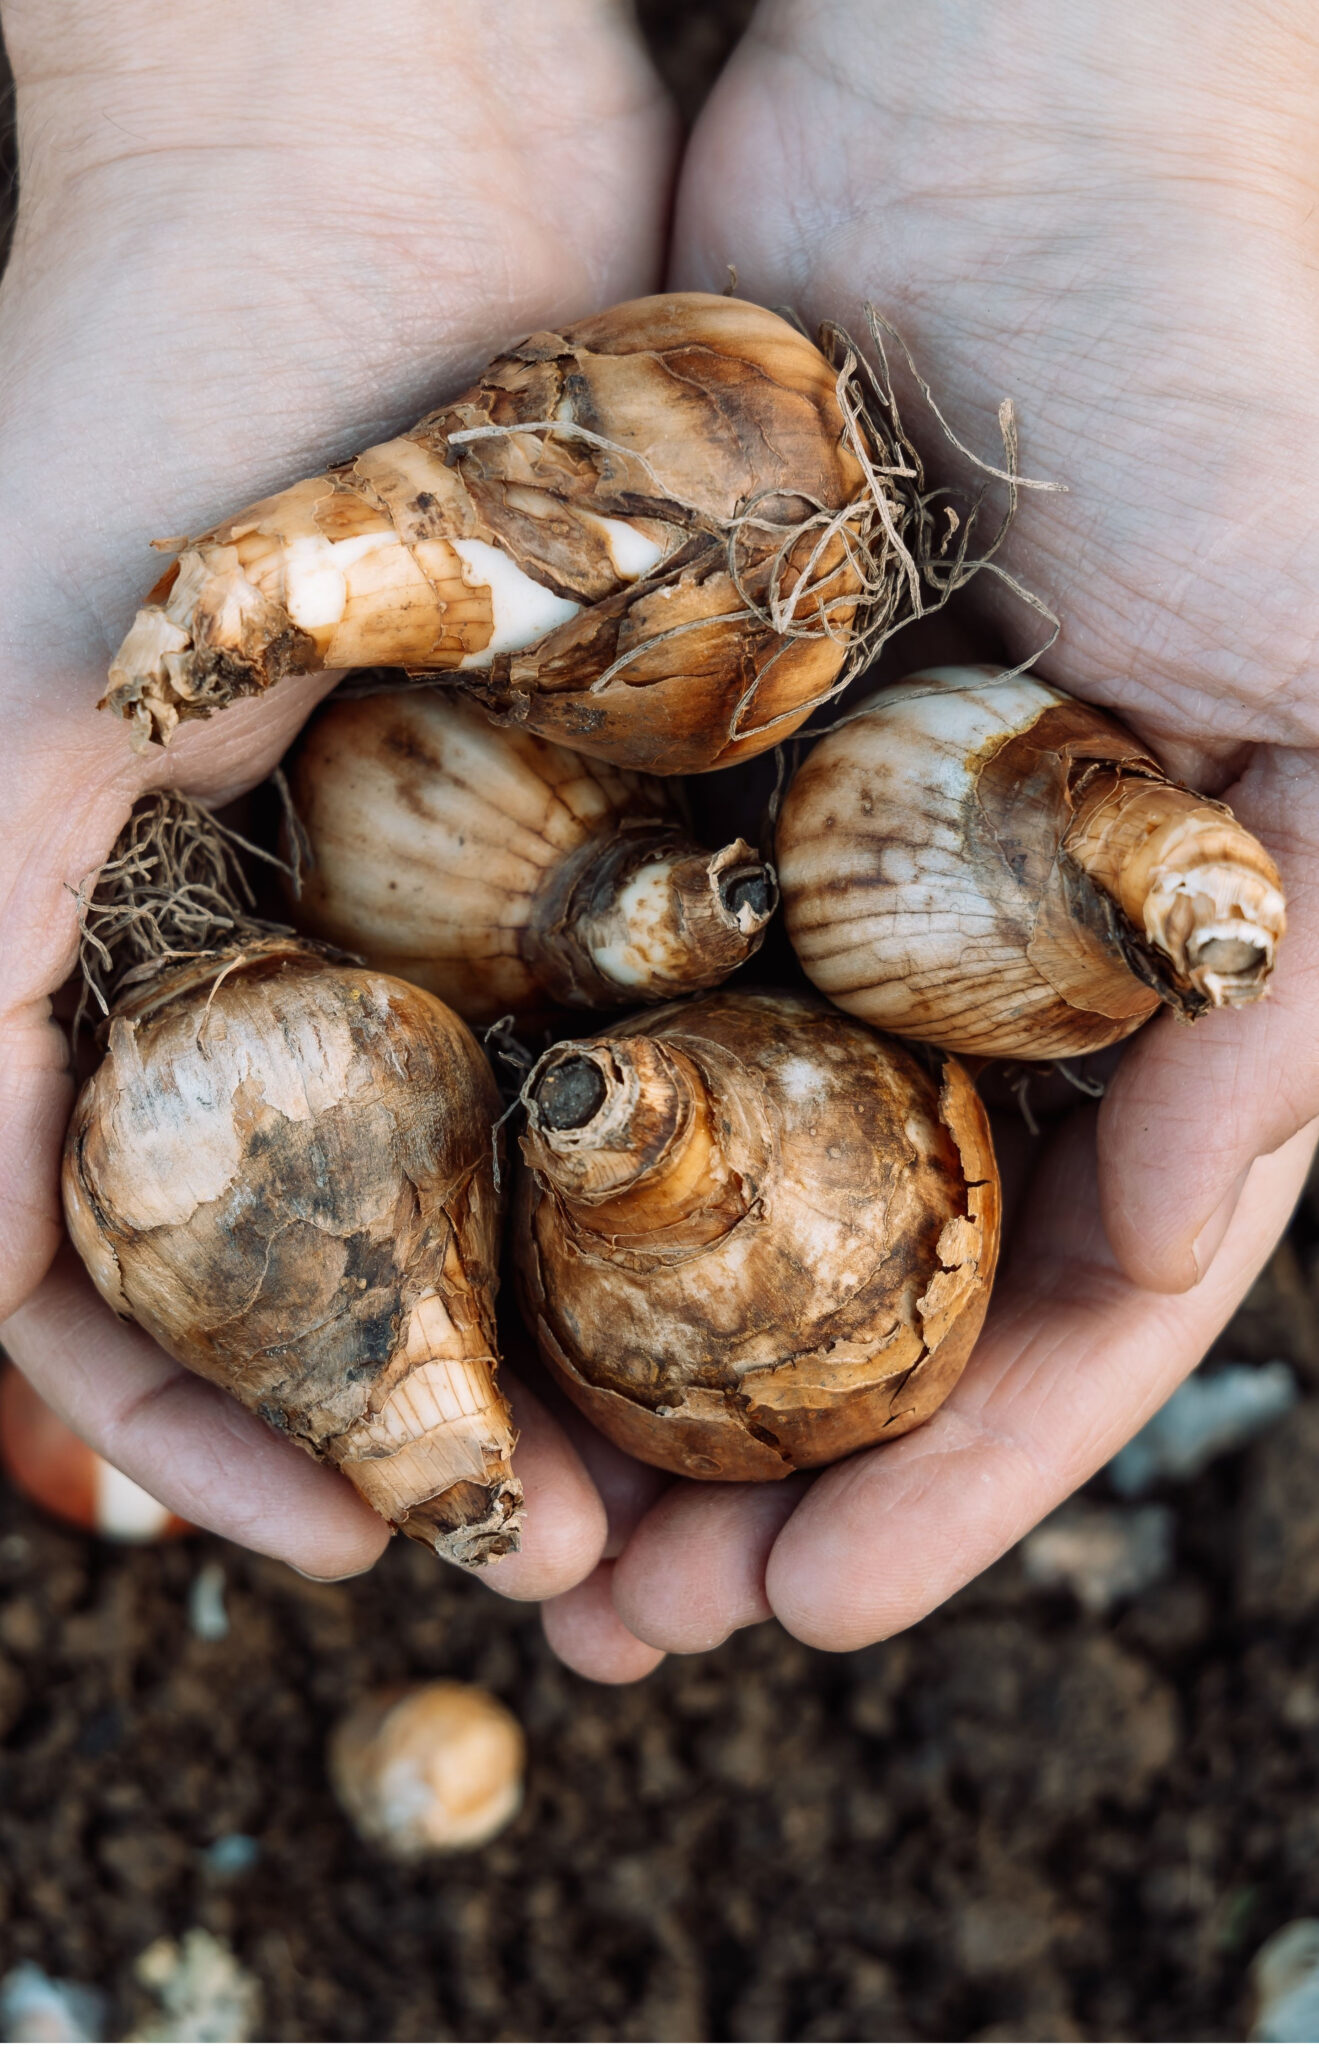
<point>1017,1822</point>
<point>1021,1821</point>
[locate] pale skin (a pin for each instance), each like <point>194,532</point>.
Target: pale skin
<point>1107,215</point>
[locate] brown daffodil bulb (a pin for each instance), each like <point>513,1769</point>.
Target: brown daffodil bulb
<point>997,868</point>
<point>504,873</point>
<point>646,536</point>
<point>753,1235</point>
<point>283,1171</point>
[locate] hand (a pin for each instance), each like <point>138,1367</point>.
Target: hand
<point>247,245</point>
<point>1106,212</point>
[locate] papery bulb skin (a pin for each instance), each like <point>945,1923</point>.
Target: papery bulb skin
<point>506,874</point>
<point>428,1770</point>
<point>283,1171</point>
<point>753,1235</point>
<point>996,868</point>
<point>50,1464</point>
<point>650,547</point>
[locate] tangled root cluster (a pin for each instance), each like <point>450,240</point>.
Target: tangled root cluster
<point>173,889</point>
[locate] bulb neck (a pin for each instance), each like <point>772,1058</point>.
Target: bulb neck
<point>627,1131</point>
<point>645,915</point>
<point>1196,886</point>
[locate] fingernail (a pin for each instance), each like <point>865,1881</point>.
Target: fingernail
<point>1205,1248</point>
<point>331,1578</point>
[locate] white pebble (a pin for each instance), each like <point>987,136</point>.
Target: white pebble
<point>1101,1554</point>
<point>206,1610</point>
<point>35,2007</point>
<point>1285,1977</point>
<point>1210,1414</point>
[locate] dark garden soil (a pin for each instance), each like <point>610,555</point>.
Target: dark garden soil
<point>1013,1823</point>
<point>1016,1822</point>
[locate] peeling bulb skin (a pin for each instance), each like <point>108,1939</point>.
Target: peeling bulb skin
<point>646,537</point>
<point>508,875</point>
<point>994,867</point>
<point>752,1235</point>
<point>282,1170</point>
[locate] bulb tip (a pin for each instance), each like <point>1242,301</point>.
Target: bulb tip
<point>569,1094</point>
<point>749,893</point>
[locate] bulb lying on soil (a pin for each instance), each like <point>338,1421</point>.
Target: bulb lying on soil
<point>656,537</point>
<point>428,1769</point>
<point>1002,870</point>
<point>753,1235</point>
<point>505,874</point>
<point>283,1170</point>
<point>50,1463</point>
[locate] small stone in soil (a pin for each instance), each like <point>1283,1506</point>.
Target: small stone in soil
<point>1211,1414</point>
<point>1100,1554</point>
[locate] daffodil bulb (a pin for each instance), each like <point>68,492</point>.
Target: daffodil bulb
<point>283,1170</point>
<point>506,874</point>
<point>990,865</point>
<point>654,537</point>
<point>753,1235</point>
<point>428,1770</point>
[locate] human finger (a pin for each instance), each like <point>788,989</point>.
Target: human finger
<point>694,1570</point>
<point>627,1487</point>
<point>584,1631</point>
<point>563,1534</point>
<point>188,1444</point>
<point>1073,1360</point>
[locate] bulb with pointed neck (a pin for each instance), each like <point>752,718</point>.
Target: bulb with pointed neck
<point>990,865</point>
<point>753,1235</point>
<point>283,1171</point>
<point>508,875</point>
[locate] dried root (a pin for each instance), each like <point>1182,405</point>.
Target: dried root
<point>173,890</point>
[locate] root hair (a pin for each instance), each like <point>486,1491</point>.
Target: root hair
<point>172,889</point>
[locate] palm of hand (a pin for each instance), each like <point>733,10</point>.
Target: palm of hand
<point>365,258</point>
<point>227,272</point>
<point>1074,213</point>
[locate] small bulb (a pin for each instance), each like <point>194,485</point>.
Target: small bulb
<point>52,1466</point>
<point>428,1769</point>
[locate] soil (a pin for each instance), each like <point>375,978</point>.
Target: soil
<point>1016,1822</point>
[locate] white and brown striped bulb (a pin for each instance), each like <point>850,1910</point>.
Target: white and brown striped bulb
<point>506,874</point>
<point>990,865</point>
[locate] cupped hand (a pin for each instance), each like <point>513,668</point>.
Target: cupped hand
<point>250,242</point>
<point>1107,212</point>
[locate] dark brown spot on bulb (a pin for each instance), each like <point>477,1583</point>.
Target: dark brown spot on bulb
<point>749,888</point>
<point>570,1094</point>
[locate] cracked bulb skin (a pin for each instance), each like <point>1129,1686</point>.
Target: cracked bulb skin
<point>753,1236</point>
<point>282,1170</point>
<point>993,867</point>
<point>597,540</point>
<point>508,875</point>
